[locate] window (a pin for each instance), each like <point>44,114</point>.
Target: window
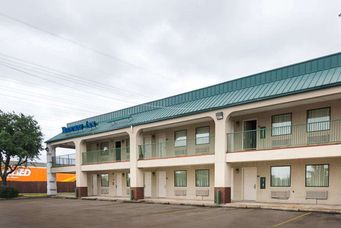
<point>317,175</point>
<point>281,124</point>
<point>318,119</point>
<point>280,176</point>
<point>180,138</point>
<point>202,135</point>
<point>128,179</point>
<point>180,178</point>
<point>262,132</point>
<point>104,180</point>
<point>104,148</point>
<point>202,178</point>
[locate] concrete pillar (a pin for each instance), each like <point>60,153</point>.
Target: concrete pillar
<point>81,177</point>
<point>136,174</point>
<point>222,170</point>
<point>51,177</point>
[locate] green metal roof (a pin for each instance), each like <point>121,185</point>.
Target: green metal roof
<point>306,76</point>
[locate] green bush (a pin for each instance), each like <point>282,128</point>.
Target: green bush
<point>8,192</point>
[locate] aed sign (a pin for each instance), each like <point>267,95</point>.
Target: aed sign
<point>79,127</point>
<point>21,172</point>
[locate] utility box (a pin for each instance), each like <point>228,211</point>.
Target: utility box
<point>217,197</point>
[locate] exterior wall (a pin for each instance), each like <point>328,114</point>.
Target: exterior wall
<point>190,189</point>
<point>169,134</point>
<point>297,188</point>
<point>299,117</point>
<point>112,190</point>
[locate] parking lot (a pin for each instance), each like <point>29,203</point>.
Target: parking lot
<point>46,212</point>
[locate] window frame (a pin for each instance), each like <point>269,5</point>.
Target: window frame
<point>185,130</point>
<point>102,186</point>
<point>208,178</point>
<point>175,178</point>
<point>104,152</point>
<point>330,119</point>
<point>272,120</point>
<point>209,133</point>
<point>305,175</point>
<point>271,184</point>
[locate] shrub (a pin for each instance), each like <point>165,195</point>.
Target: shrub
<point>8,192</point>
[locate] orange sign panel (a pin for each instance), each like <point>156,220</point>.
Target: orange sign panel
<point>37,174</point>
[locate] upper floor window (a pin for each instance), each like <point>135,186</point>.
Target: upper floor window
<point>180,138</point>
<point>280,176</point>
<point>281,124</point>
<point>104,148</point>
<point>202,135</point>
<point>104,180</point>
<point>317,175</point>
<point>318,119</point>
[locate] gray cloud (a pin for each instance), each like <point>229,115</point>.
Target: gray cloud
<point>164,47</point>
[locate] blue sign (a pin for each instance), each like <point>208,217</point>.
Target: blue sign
<point>79,127</point>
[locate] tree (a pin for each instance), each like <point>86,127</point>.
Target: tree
<point>20,141</point>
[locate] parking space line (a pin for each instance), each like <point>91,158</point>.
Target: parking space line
<point>292,219</point>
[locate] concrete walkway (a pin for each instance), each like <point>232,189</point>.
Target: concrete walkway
<point>336,209</point>
<point>253,205</point>
<point>287,207</point>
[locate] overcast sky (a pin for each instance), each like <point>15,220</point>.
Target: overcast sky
<point>66,60</point>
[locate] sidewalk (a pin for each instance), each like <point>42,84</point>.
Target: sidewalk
<point>336,209</point>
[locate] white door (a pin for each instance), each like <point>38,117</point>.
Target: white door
<point>148,184</point>
<point>162,183</point>
<point>162,145</point>
<point>94,185</point>
<point>118,184</point>
<point>250,183</point>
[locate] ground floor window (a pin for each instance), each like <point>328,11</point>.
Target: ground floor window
<point>280,176</point>
<point>202,178</point>
<point>317,175</point>
<point>104,180</point>
<point>180,178</point>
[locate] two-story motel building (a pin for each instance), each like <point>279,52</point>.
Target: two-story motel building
<point>270,137</point>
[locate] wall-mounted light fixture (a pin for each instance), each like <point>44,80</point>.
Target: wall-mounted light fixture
<point>219,115</point>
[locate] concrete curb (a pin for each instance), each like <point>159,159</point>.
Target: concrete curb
<point>241,206</point>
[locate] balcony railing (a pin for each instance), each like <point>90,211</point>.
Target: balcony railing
<point>318,133</point>
<point>200,146</point>
<point>64,160</point>
<point>105,156</point>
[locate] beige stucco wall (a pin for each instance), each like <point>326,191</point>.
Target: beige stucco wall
<point>190,189</point>
<point>299,117</point>
<point>297,189</point>
<point>169,134</point>
<point>110,191</point>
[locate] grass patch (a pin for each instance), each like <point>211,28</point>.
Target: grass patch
<point>33,195</point>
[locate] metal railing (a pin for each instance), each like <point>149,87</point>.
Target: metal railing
<point>64,160</point>
<point>104,156</point>
<point>199,146</point>
<point>318,133</point>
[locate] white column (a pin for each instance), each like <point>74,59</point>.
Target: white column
<point>81,177</point>
<point>136,174</point>
<point>222,170</point>
<point>51,177</point>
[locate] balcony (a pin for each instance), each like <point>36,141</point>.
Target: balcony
<point>105,156</point>
<point>199,146</point>
<point>64,160</point>
<point>318,133</point>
